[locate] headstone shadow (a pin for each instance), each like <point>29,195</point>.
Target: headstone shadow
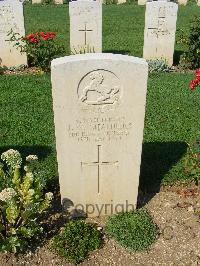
<point>177,56</point>
<point>112,51</point>
<point>157,159</point>
<point>42,151</point>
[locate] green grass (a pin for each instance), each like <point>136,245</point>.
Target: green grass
<point>26,120</point>
<point>172,113</point>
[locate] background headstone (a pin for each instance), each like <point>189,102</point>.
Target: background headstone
<point>85,26</point>
<point>99,109</point>
<point>121,2</point>
<point>142,2</point>
<point>160,30</point>
<point>58,2</point>
<point>11,18</point>
<point>182,2</point>
<point>36,1</point>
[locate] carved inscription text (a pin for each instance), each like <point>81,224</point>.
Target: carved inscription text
<point>99,129</point>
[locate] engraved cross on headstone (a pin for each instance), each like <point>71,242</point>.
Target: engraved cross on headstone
<point>99,163</point>
<point>85,30</point>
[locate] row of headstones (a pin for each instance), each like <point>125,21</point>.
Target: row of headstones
<point>86,29</point>
<point>61,1</point>
<point>57,2</point>
<point>180,2</point>
<point>140,2</point>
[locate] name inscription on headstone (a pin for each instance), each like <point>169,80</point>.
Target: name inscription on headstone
<point>99,129</point>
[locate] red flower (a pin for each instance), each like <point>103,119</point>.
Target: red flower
<point>52,34</point>
<point>197,72</point>
<point>33,40</point>
<point>30,36</point>
<point>196,81</point>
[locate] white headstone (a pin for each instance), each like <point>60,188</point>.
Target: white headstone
<point>36,1</point>
<point>142,2</point>
<point>85,26</point>
<point>11,18</point>
<point>121,2</point>
<point>182,2</point>
<point>160,30</point>
<point>99,109</point>
<point>198,2</point>
<point>58,2</point>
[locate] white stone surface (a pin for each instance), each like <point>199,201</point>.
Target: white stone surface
<point>198,2</point>
<point>58,2</point>
<point>36,1</point>
<point>121,2</point>
<point>99,109</point>
<point>142,2</point>
<point>160,30</point>
<point>11,17</point>
<point>85,26</point>
<point>182,2</point>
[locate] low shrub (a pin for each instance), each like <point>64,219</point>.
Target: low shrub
<point>40,48</point>
<point>158,65</point>
<point>22,201</point>
<point>76,240</point>
<point>134,230</point>
<point>191,58</point>
<point>192,161</point>
<point>2,68</point>
<point>82,50</point>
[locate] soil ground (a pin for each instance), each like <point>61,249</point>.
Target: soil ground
<point>175,211</point>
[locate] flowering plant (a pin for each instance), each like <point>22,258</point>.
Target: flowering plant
<point>196,81</point>
<point>40,48</point>
<point>21,201</point>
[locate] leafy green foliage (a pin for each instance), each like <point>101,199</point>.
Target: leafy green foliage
<point>21,201</point>
<point>191,58</point>
<point>134,230</point>
<point>2,68</point>
<point>158,65</point>
<point>40,48</point>
<point>83,50</point>
<point>192,161</point>
<point>76,240</point>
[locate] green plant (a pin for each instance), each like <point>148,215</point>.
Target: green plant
<point>134,230</point>
<point>46,2</point>
<point>21,201</point>
<point>158,65</point>
<point>192,161</point>
<point>76,240</point>
<point>2,68</point>
<point>110,2</point>
<point>83,50</point>
<point>40,48</point>
<point>191,58</point>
